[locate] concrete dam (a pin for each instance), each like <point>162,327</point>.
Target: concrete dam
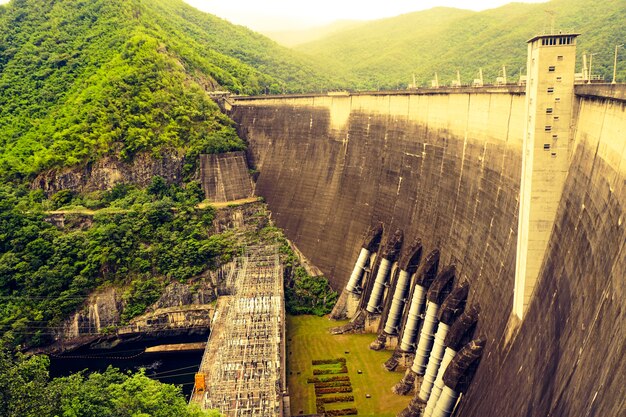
<point>444,166</point>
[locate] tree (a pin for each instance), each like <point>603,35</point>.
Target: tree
<point>27,391</point>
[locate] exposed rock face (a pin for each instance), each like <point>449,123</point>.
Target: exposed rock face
<point>101,310</point>
<point>177,294</point>
<point>181,305</point>
<point>109,171</point>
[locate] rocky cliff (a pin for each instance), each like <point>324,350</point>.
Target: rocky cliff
<point>106,172</point>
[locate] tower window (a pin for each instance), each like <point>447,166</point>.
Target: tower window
<point>549,110</point>
<point>546,146</point>
<point>555,136</point>
<point>556,118</point>
<point>551,68</point>
<point>548,128</point>
<point>550,89</point>
<point>559,58</point>
<point>557,99</point>
<point>559,79</point>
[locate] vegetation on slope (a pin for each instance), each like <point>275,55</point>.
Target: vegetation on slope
<point>304,293</point>
<point>386,53</point>
<point>27,391</point>
<point>82,79</point>
<point>142,239</point>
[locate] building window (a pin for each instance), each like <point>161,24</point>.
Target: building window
<point>559,79</point>
<point>549,110</point>
<point>550,89</point>
<point>557,99</point>
<point>555,136</point>
<point>556,118</point>
<point>548,128</point>
<point>551,68</point>
<point>554,154</point>
<point>546,146</point>
<point>559,58</point>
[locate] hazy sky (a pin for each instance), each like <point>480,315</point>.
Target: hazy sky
<point>264,15</point>
<point>267,15</point>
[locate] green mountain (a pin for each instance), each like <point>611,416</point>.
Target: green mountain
<point>82,79</point>
<point>386,53</point>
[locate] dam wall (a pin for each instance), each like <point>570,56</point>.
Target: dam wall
<point>442,167</point>
<point>445,167</point>
<point>568,358</point>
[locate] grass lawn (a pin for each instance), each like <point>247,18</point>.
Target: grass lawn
<point>308,339</point>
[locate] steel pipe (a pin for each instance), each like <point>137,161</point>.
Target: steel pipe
<point>379,286</point>
<point>357,272</point>
<point>445,404</point>
<point>426,338</point>
<point>412,323</point>
<point>436,355</point>
<point>438,386</point>
<point>397,303</point>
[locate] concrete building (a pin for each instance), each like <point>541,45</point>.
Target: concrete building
<point>546,154</point>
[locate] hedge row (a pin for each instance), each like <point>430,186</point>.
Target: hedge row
<point>336,399</point>
<point>342,370</point>
<point>331,390</point>
<point>328,379</point>
<point>332,384</point>
<point>342,412</point>
<point>328,361</point>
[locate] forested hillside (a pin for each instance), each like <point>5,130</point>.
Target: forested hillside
<point>82,79</point>
<point>386,53</point>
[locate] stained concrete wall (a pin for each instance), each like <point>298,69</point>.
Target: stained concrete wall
<point>446,168</point>
<point>443,167</point>
<point>225,177</point>
<point>569,357</point>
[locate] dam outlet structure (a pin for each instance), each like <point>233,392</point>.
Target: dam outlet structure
<point>437,293</point>
<point>521,187</point>
<point>451,308</point>
<point>460,334</point>
<point>425,276</point>
<point>408,264</point>
<point>389,256</point>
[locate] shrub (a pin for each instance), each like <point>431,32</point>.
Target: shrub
<point>342,412</point>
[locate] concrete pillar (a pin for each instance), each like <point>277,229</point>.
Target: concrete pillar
<point>357,272</point>
<point>378,290</point>
<point>410,329</point>
<point>397,304</point>
<point>426,338</point>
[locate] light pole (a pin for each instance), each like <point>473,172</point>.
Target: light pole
<point>615,63</point>
<point>590,62</point>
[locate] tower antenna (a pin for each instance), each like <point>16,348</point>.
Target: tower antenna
<point>552,15</point>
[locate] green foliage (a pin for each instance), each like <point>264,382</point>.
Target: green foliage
<point>27,391</point>
<point>304,293</point>
<point>386,53</point>
<point>80,80</point>
<point>142,240</point>
<point>139,296</point>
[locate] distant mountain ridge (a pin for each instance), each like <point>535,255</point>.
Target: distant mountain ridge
<point>292,38</point>
<point>386,53</point>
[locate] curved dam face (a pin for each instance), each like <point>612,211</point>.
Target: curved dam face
<point>445,167</point>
